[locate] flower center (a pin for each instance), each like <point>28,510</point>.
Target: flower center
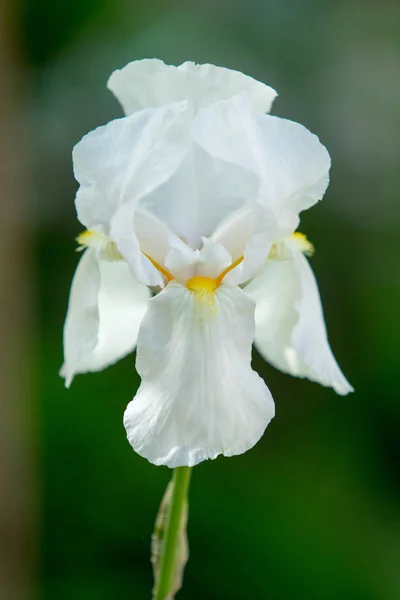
<point>204,286</point>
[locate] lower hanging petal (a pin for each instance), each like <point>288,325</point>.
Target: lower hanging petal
<point>105,310</point>
<point>290,326</point>
<point>199,396</point>
<point>81,328</point>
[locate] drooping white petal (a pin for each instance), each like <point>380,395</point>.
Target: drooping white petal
<point>199,396</point>
<point>151,83</point>
<point>105,310</point>
<point>310,337</point>
<point>81,329</point>
<point>290,326</point>
<point>291,162</point>
<point>125,160</point>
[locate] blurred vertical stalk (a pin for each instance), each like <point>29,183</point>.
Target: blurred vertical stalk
<point>169,548</point>
<point>17,499</point>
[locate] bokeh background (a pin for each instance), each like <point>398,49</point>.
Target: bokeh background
<point>313,510</point>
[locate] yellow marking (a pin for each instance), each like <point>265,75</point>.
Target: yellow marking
<point>303,243</point>
<point>273,253</point>
<point>160,268</point>
<point>202,285</point>
<point>297,240</point>
<point>107,247</point>
<point>203,289</point>
<point>87,238</point>
<point>220,277</point>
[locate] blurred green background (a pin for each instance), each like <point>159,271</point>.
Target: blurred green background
<point>313,510</point>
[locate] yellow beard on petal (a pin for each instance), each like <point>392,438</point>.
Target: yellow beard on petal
<point>305,246</point>
<point>298,240</point>
<point>204,287</point>
<point>91,239</point>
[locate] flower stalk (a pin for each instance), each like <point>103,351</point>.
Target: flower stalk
<point>173,548</point>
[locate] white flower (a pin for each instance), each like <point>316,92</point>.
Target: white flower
<point>198,193</point>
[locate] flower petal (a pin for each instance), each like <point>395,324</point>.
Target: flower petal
<point>151,83</point>
<point>249,232</point>
<point>81,329</point>
<point>202,193</point>
<point>213,259</point>
<point>290,326</point>
<point>105,310</point>
<point>199,396</point>
<point>291,162</point>
<point>139,234</point>
<point>125,160</point>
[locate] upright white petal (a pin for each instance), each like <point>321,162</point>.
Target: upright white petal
<point>291,162</point>
<point>290,326</point>
<point>151,83</point>
<point>199,396</point>
<point>105,310</point>
<point>201,193</point>
<point>127,159</point>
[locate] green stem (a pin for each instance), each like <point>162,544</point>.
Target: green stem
<point>165,579</point>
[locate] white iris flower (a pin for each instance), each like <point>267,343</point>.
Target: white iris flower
<point>195,197</point>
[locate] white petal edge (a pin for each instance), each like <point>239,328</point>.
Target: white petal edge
<point>291,162</point>
<point>199,396</point>
<point>105,310</point>
<point>81,328</point>
<point>310,338</point>
<point>290,327</point>
<point>127,159</point>
<point>151,83</point>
